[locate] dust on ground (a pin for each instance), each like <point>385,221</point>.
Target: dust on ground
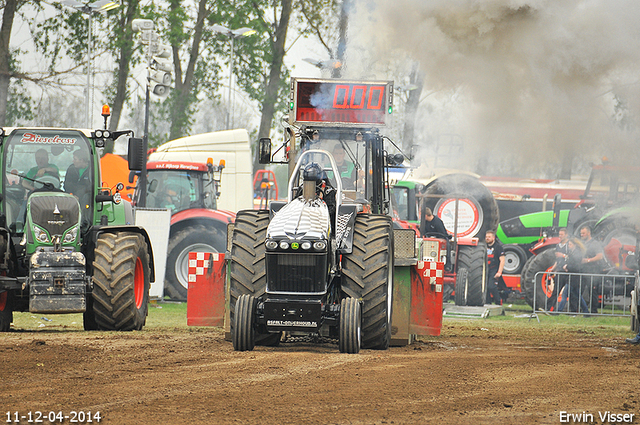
<point>474,373</point>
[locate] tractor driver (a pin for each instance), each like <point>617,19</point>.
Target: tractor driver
<point>346,168</point>
<point>324,189</point>
<point>42,167</point>
<point>77,180</point>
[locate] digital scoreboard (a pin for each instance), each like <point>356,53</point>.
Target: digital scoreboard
<point>320,102</point>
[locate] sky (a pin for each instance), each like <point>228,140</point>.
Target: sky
<point>523,85</point>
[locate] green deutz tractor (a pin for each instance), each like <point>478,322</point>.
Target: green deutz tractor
<point>67,244</point>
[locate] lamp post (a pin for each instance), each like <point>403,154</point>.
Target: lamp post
<point>232,34</point>
<point>159,76</point>
<point>89,9</point>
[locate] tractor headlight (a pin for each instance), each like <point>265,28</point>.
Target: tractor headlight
<point>305,245</point>
<point>284,245</point>
<point>71,235</point>
<point>40,235</point>
<point>271,244</point>
<point>320,245</point>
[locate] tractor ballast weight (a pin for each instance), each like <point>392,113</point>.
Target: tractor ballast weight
<point>65,247</point>
<point>322,262</point>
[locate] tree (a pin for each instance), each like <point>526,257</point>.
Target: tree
<point>6,59</point>
<point>274,81</point>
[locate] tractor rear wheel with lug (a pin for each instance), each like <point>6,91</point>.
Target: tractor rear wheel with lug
<point>350,326</point>
<point>247,268</point>
<point>244,334</point>
<point>367,275</point>
<point>121,281</point>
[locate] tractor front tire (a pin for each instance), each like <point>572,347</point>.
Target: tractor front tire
<point>198,238</point>
<point>247,267</point>
<point>539,285</point>
<point>474,260</point>
<point>244,334</point>
<point>89,316</point>
<point>350,326</point>
<point>462,285</point>
<point>515,258</point>
<point>6,311</point>
<point>367,275</point>
<point>121,281</point>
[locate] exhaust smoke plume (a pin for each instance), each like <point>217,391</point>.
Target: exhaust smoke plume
<point>528,85</point>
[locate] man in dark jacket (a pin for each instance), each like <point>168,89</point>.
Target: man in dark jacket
<point>592,263</point>
<point>495,259</point>
<point>432,224</point>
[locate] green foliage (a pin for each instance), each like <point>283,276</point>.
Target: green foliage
<point>19,102</point>
<point>19,105</point>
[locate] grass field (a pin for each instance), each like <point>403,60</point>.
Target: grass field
<point>172,316</point>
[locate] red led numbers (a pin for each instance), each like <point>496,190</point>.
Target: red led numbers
<point>346,96</point>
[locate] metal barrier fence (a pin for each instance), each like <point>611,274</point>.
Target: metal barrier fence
<point>581,293</point>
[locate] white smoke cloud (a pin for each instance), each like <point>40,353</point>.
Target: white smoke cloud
<point>535,80</point>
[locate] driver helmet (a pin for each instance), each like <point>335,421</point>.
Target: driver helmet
<point>313,172</point>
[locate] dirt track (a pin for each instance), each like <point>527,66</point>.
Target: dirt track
<point>524,374</point>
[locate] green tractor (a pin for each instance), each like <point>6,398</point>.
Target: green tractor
<point>67,245</point>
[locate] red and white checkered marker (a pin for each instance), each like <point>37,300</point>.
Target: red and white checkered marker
<point>198,265</point>
<point>434,270</point>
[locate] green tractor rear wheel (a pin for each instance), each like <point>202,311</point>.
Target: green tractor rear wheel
<point>121,281</point>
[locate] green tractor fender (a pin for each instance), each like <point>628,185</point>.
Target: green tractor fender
<point>93,234</point>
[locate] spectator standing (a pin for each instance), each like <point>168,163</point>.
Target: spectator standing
<point>496,258</point>
<point>561,260</point>
<point>573,264</point>
<point>592,263</point>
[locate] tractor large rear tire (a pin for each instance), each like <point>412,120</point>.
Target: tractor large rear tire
<point>198,238</point>
<point>247,268</point>
<point>545,297</point>
<point>367,275</point>
<point>473,259</point>
<point>617,233</point>
<point>121,281</point>
<point>6,311</point>
<point>465,187</point>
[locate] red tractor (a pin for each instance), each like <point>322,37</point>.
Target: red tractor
<point>190,190</point>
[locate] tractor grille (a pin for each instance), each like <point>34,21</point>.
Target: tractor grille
<point>296,272</point>
<point>55,214</point>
